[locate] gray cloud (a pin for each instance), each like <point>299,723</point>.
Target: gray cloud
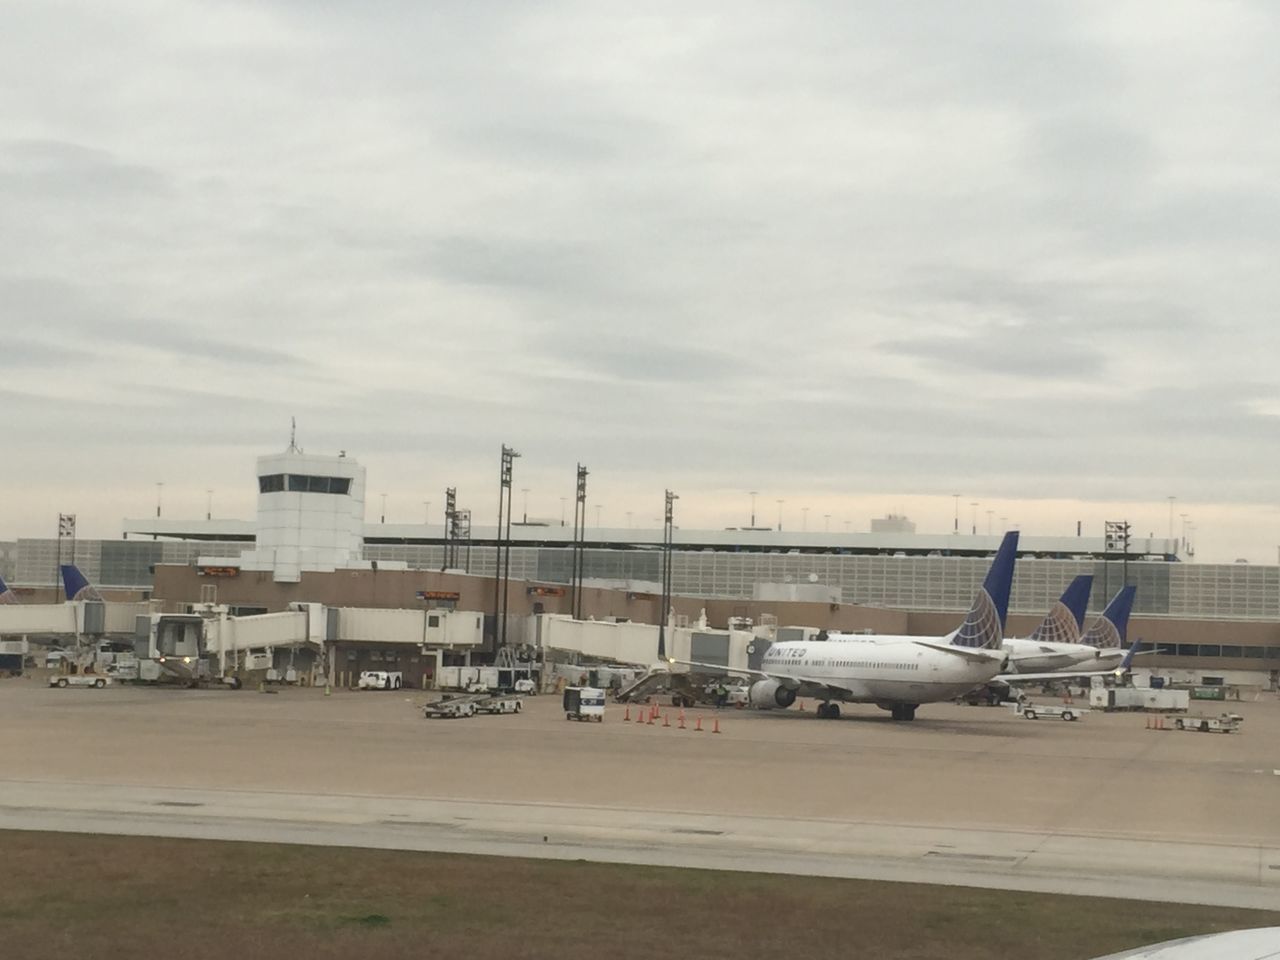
<point>851,249</point>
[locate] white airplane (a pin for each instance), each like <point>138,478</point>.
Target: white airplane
<point>1055,643</point>
<point>895,673</point>
<point>1103,647</point>
<point>1108,633</point>
<point>6,594</point>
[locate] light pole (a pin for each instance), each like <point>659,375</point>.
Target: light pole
<point>384,508</point>
<point>780,503</point>
<point>754,494</point>
<point>826,523</point>
<point>159,488</point>
<point>668,539</point>
<point>1171,499</point>
<point>989,513</point>
<point>1184,530</point>
<point>563,501</point>
<point>974,505</point>
<point>208,504</point>
<point>599,507</point>
<point>956,527</point>
<point>525,513</point>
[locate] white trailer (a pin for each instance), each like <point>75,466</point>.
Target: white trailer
<point>1035,711</point>
<point>500,705</point>
<point>450,708</point>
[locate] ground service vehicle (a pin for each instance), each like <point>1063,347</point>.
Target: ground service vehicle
<point>450,708</point>
<point>1226,723</point>
<point>79,680</point>
<point>584,703</point>
<point>380,680</point>
<point>1034,711</point>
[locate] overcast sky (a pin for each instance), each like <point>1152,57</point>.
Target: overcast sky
<point>857,256</point>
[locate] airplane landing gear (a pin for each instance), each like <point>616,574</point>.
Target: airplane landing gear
<point>828,711</point>
<point>904,711</point>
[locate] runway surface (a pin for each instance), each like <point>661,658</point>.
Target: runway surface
<point>971,797</point>
<point>1187,872</point>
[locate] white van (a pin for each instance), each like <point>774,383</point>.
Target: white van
<point>380,680</point>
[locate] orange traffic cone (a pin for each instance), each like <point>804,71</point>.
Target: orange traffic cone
<point>650,721</point>
<point>639,716</point>
<point>698,728</point>
<point>628,716</point>
<point>682,720</point>
<point>716,728</point>
<point>666,720</point>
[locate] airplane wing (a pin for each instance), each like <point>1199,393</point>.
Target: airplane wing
<point>1014,679</point>
<point>973,654</point>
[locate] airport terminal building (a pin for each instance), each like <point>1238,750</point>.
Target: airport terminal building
<point>311,521</point>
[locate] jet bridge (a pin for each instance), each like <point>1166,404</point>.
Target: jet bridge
<point>71,619</point>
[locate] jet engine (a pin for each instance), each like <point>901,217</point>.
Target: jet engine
<point>767,694</point>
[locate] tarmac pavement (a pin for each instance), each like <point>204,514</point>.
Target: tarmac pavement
<point>963,795</point>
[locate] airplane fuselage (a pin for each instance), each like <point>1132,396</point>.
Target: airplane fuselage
<point>1034,656</point>
<point>882,670</point>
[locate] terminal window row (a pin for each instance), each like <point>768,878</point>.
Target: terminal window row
<point>1212,650</point>
<point>301,483</point>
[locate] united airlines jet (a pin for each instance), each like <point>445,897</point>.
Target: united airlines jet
<point>895,673</point>
<point>1055,643</point>
<point>1103,647</point>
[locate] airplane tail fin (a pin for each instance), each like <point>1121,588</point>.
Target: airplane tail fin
<point>1063,622</point>
<point>1109,630</point>
<point>77,585</point>
<point>7,595</point>
<point>984,625</point>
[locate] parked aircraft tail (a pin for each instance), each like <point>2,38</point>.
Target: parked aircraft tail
<point>6,594</point>
<point>984,625</point>
<point>1109,630</point>
<point>77,585</point>
<point>1064,621</point>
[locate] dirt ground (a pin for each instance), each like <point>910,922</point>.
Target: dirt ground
<point>91,897</point>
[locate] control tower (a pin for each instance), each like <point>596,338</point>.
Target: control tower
<point>310,515</point>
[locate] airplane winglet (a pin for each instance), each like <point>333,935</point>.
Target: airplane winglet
<point>1127,663</point>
